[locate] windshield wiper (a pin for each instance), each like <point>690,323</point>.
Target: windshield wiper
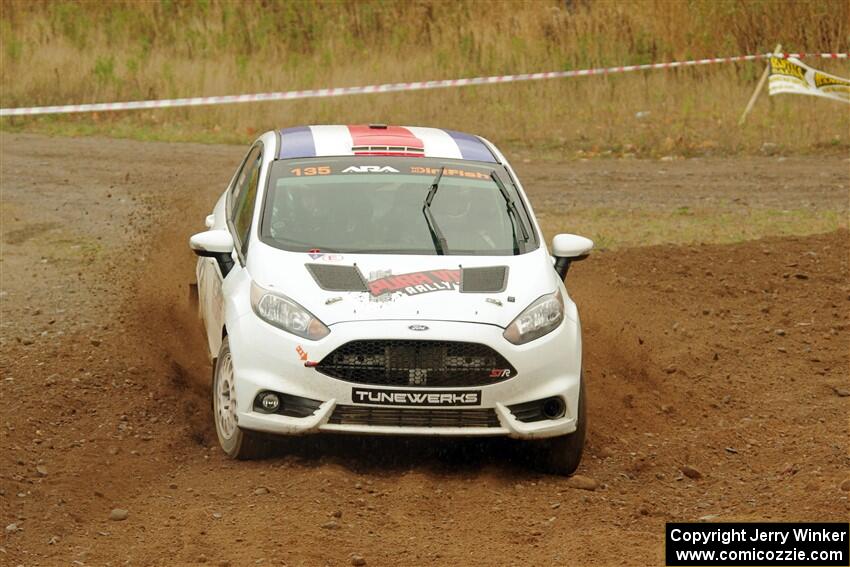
<point>436,234</point>
<point>513,213</point>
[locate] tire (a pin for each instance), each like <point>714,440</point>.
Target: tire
<point>237,443</point>
<point>562,455</point>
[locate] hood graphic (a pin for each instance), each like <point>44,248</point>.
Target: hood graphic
<point>383,282</point>
<point>339,288</point>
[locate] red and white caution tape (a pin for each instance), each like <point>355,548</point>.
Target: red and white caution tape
<point>389,87</point>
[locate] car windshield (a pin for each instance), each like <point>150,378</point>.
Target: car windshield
<point>375,205</point>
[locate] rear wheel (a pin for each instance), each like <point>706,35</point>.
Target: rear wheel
<point>236,442</point>
<point>562,455</point>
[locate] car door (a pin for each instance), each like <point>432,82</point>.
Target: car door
<point>239,206</point>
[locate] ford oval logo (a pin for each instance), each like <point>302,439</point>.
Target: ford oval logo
<point>418,328</point>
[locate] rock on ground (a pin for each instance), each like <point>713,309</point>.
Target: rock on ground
<point>582,482</point>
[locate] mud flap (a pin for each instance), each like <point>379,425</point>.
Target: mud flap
<point>194,300</point>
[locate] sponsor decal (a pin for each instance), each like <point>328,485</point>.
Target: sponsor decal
<point>450,172</point>
<point>310,171</point>
<point>317,254</point>
<point>369,169</point>
<point>415,283</point>
<point>408,398</point>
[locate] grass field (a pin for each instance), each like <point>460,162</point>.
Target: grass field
<point>616,228</point>
<point>68,52</point>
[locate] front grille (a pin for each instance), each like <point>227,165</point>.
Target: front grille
<point>425,364</point>
<point>414,417</point>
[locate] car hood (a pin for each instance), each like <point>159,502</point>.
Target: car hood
<point>405,287</point>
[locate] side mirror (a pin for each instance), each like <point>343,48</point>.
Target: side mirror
<point>216,244</point>
<point>569,248</point>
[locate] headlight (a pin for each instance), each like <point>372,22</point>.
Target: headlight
<point>285,314</point>
<point>538,319</point>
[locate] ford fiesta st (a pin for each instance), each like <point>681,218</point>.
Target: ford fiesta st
<point>388,280</point>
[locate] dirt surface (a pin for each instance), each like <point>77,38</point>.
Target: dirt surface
<point>729,359</point>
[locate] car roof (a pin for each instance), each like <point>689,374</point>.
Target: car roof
<point>381,140</point>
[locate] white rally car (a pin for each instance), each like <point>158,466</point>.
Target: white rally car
<point>388,280</point>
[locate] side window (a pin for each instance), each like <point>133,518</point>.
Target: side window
<point>245,195</point>
<point>239,182</point>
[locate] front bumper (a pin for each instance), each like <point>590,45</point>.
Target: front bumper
<point>267,358</point>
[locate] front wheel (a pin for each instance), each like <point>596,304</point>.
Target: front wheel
<point>236,442</point>
<point>562,455</point>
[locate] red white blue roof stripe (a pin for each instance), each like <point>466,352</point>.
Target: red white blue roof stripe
<point>409,141</point>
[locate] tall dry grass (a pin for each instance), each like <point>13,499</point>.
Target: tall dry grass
<point>67,52</point>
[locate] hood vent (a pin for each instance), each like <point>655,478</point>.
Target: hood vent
<point>337,278</point>
<point>492,279</point>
